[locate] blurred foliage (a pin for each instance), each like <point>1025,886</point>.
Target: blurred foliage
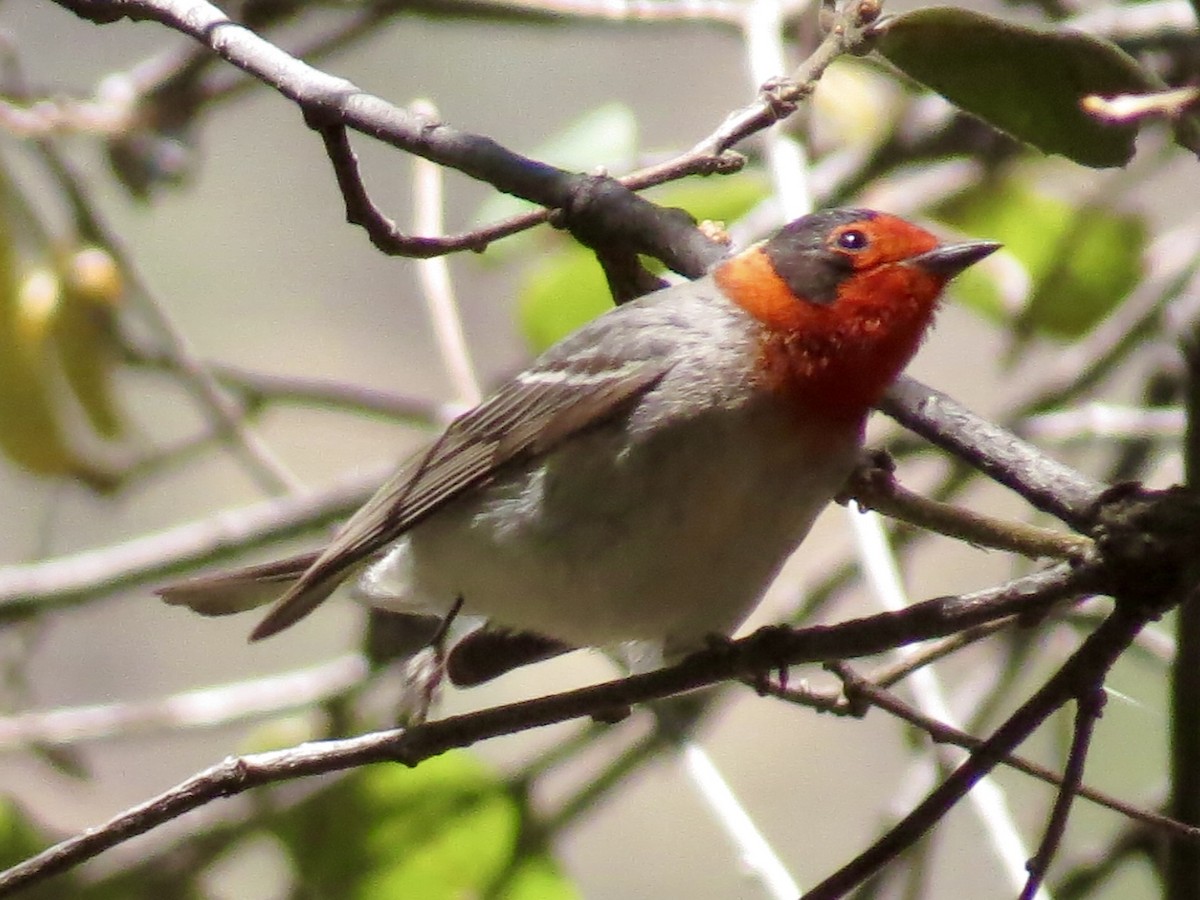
<point>1080,261</point>
<point>58,352</point>
<point>21,839</point>
<point>445,830</point>
<point>1027,82</point>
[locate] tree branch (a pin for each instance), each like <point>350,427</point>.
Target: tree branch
<point>766,649</point>
<point>1047,484</point>
<point>1085,670</point>
<point>1087,711</point>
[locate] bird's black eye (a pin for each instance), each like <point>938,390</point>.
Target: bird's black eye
<point>853,239</point>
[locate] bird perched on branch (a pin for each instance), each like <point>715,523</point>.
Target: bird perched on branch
<point>646,477</point>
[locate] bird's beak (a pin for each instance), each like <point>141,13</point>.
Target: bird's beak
<point>950,259</point>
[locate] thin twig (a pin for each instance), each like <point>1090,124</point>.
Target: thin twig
<point>764,650</point>
<point>28,588</point>
<point>434,276</point>
<point>779,98</point>
<point>1086,667</point>
<point>862,690</point>
<point>361,209</point>
<point>873,486</point>
<point>1088,707</point>
<point>787,159</point>
<point>256,388</point>
<point>889,675</point>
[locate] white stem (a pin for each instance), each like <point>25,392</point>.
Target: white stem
<point>986,798</point>
<point>761,29</point>
<point>434,274</point>
<point>755,852</point>
<point>1106,420</point>
<point>205,708</point>
<point>786,158</point>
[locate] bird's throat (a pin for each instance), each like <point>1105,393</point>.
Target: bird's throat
<point>839,378</point>
<point>838,360</point>
<point>835,359</point>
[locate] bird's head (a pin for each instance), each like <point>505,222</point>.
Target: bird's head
<point>843,298</point>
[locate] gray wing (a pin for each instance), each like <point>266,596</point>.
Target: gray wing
<point>527,417</point>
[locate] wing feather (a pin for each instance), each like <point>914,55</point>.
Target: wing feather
<point>528,416</point>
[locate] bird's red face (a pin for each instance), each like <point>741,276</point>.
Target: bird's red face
<point>844,298</point>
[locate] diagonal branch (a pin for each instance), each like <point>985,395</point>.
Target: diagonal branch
<point>764,650</point>
<point>1088,707</point>
<point>1083,671</point>
<point>1049,485</point>
<point>859,691</point>
<point>598,210</point>
<point>873,486</point>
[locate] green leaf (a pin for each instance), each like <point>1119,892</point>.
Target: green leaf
<point>567,288</point>
<point>563,292</point>
<point>1025,81</point>
<point>1081,261</point>
<point>604,136</point>
<point>445,829</point>
<point>21,839</point>
<point>721,199</point>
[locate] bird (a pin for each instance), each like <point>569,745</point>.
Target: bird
<point>644,479</point>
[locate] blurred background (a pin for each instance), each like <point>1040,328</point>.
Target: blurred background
<point>251,258</point>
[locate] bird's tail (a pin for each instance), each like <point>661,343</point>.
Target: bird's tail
<point>237,590</point>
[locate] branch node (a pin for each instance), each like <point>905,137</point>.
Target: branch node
<point>1149,542</point>
<point>858,701</point>
<point>866,12</point>
<point>779,95</point>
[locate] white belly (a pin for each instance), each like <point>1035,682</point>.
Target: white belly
<point>612,540</point>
